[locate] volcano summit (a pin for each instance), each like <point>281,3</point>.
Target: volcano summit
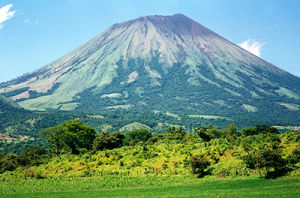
<point>162,63</point>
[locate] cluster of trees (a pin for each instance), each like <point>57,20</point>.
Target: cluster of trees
<point>264,151</point>
<point>75,137</point>
<point>259,147</point>
<point>32,156</point>
<point>72,136</point>
<point>262,146</point>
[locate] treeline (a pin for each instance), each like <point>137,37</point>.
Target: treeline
<point>207,151</point>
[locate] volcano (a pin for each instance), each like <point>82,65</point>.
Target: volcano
<point>161,63</point>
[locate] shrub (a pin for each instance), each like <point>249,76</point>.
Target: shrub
<point>34,155</point>
<point>199,164</point>
<point>294,158</point>
<point>268,159</point>
<point>9,163</point>
<point>230,168</point>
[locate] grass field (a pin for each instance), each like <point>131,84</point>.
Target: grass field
<point>153,187</point>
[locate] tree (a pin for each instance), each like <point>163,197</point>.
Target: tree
<point>176,133</point>
<point>266,129</point>
<point>249,131</point>
<point>107,140</point>
<point>264,153</point>
<point>72,136</point>
<point>294,158</point>
<point>208,133</point>
<point>271,160</point>
<point>34,155</point>
<point>199,164</point>
<point>202,132</point>
<point>259,129</point>
<point>230,130</point>
<point>139,135</point>
<point>8,162</point>
<point>229,133</point>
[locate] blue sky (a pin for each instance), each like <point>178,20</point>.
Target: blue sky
<point>34,33</point>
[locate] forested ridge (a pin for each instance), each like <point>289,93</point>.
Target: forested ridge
<point>24,126</point>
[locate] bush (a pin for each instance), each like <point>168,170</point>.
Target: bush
<point>9,162</point>
<point>230,168</point>
<point>268,159</point>
<point>34,155</point>
<point>199,164</point>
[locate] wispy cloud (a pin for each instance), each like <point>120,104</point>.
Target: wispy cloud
<point>31,21</point>
<point>5,14</point>
<point>252,46</point>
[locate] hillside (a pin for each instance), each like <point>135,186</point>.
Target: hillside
<point>7,105</point>
<point>10,113</point>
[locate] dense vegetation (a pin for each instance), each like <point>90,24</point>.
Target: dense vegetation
<point>209,151</point>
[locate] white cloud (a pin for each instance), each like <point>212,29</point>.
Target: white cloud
<point>5,14</point>
<point>252,46</point>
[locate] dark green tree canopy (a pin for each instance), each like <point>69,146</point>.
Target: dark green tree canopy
<point>34,150</point>
<point>107,140</point>
<point>199,164</point>
<point>140,135</point>
<point>8,162</point>
<point>175,133</point>
<point>208,133</point>
<point>72,136</point>
<point>258,129</point>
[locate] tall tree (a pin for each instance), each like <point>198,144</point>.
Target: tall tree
<point>73,136</point>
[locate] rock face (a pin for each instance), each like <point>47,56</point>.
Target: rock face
<point>169,63</point>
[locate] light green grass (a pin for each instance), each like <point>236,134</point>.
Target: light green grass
<point>134,126</point>
<point>286,92</point>
<point>293,107</point>
<point>158,187</point>
<point>208,117</point>
<point>249,108</point>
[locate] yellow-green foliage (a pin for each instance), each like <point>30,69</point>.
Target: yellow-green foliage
<point>230,167</point>
<point>166,157</point>
<point>170,154</point>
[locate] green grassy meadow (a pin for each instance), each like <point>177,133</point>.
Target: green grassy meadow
<point>152,187</point>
